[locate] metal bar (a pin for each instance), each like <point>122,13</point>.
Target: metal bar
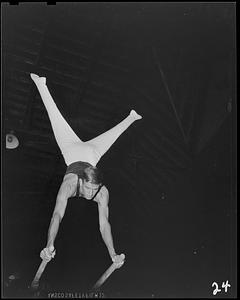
<point>35,282</point>
<point>108,272</point>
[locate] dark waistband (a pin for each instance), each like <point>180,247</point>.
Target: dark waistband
<point>77,168</point>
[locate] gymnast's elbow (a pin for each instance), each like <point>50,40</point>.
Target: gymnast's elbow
<point>103,226</point>
<point>59,209</point>
<point>57,216</point>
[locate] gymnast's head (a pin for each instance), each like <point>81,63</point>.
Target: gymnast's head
<point>91,181</point>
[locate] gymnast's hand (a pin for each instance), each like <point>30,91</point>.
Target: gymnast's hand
<point>118,259</point>
<point>48,253</point>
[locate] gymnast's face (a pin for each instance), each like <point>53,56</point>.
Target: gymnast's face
<point>88,189</point>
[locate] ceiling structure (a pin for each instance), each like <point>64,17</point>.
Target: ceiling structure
<point>102,59</point>
<point>173,63</point>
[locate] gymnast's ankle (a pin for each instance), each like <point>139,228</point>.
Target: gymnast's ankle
<point>38,79</point>
<point>135,115</point>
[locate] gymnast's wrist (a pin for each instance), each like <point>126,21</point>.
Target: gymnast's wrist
<point>50,244</point>
<point>113,254</point>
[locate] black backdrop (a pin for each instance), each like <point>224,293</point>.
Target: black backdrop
<point>171,176</point>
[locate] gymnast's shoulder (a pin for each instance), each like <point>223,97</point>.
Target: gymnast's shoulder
<point>103,195</point>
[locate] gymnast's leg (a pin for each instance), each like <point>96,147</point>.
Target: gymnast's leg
<point>72,148</point>
<point>105,140</point>
<point>63,133</point>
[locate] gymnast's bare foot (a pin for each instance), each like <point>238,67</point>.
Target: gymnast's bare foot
<point>38,79</point>
<point>135,115</point>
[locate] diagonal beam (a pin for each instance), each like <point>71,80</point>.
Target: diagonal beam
<point>169,94</point>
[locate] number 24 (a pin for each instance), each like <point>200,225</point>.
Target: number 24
<point>224,285</point>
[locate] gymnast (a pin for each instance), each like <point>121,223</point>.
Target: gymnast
<point>82,178</point>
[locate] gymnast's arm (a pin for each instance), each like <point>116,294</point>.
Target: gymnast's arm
<point>65,191</point>
<point>104,225</point>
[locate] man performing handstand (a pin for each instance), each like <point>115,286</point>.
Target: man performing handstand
<point>82,177</point>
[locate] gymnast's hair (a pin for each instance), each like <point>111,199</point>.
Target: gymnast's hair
<point>93,175</point>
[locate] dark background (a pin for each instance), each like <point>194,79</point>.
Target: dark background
<point>171,176</point>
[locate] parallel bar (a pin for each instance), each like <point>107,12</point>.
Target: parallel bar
<point>108,272</point>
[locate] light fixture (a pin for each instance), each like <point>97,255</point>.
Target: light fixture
<point>11,141</point>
